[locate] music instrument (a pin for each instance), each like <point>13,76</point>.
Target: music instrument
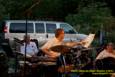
<point>63,49</point>
<point>105,63</point>
<point>79,55</point>
<point>46,63</point>
<point>66,68</point>
<point>39,60</point>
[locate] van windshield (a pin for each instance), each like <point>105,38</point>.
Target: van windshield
<point>21,28</point>
<point>67,29</point>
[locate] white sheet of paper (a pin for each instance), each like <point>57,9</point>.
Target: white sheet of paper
<point>89,40</point>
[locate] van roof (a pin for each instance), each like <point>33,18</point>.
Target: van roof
<point>33,21</point>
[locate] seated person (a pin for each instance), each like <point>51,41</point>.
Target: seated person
<point>107,52</point>
<point>31,54</point>
<point>31,48</point>
<point>106,58</point>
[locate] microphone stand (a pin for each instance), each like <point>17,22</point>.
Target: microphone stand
<point>16,62</point>
<point>27,13</point>
<point>26,32</point>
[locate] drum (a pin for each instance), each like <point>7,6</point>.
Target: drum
<point>65,52</point>
<point>107,63</point>
<point>80,56</point>
<point>46,61</point>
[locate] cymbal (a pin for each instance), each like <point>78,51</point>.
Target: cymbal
<point>61,48</point>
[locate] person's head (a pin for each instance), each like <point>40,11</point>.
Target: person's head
<point>110,47</point>
<point>27,38</point>
<point>59,33</point>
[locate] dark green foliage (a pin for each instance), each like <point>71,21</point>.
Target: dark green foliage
<point>3,65</point>
<point>85,15</point>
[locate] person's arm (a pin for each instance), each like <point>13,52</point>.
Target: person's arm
<point>35,48</point>
<point>72,44</point>
<point>47,51</point>
<point>45,47</point>
<point>100,55</point>
<point>51,54</point>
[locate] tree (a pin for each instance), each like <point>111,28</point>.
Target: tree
<point>90,18</point>
<point>15,8</point>
<point>2,11</point>
<point>56,9</point>
<point>48,9</point>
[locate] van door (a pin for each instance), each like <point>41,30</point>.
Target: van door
<point>17,30</point>
<point>70,33</point>
<point>40,33</point>
<point>50,30</point>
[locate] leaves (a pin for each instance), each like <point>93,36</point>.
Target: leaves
<point>90,18</point>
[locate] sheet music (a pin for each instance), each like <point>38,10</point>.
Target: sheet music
<point>88,40</point>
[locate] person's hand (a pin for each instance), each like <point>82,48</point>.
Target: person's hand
<point>83,42</point>
<point>54,54</point>
<point>34,56</point>
<point>34,65</point>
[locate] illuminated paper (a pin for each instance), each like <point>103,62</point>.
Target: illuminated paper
<point>88,40</point>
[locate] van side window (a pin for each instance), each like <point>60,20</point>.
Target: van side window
<point>50,28</point>
<point>39,28</point>
<point>67,29</point>
<point>21,27</point>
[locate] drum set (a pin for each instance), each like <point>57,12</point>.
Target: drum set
<point>77,56</point>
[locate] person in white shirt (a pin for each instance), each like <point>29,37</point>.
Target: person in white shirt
<point>31,48</point>
<point>108,52</point>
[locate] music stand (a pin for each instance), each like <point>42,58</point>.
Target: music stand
<point>9,52</point>
<point>6,47</point>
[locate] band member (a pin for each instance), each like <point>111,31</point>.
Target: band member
<point>106,59</point>
<point>57,40</point>
<point>107,52</point>
<point>31,48</point>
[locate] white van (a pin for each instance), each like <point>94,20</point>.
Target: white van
<point>40,30</point>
